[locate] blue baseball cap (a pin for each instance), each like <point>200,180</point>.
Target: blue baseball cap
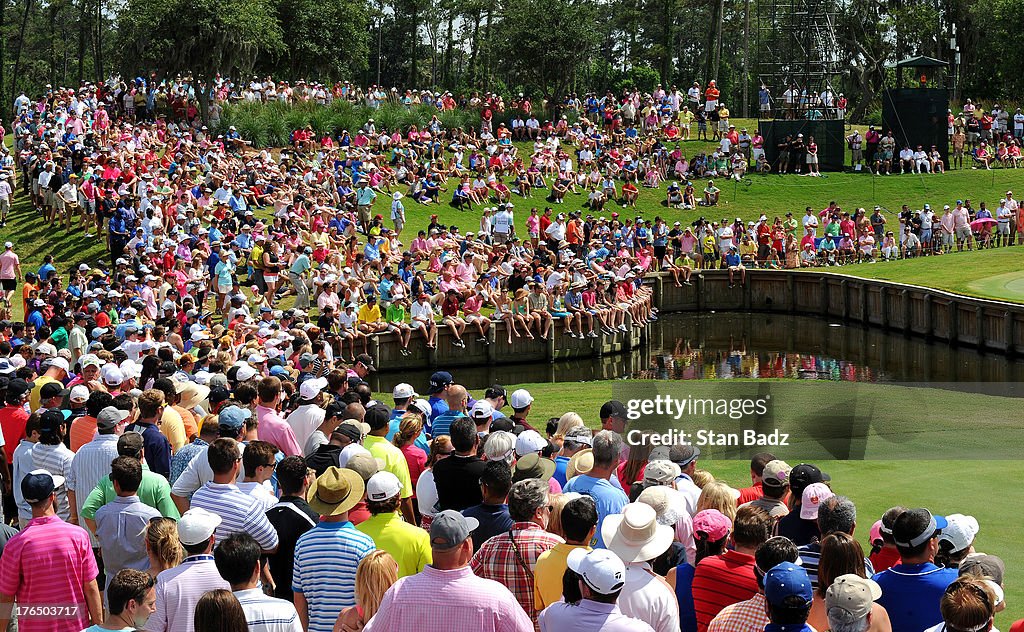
<point>278,371</point>
<point>233,417</point>
<point>438,381</point>
<point>787,580</point>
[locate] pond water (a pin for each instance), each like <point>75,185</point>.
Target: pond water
<point>762,346</point>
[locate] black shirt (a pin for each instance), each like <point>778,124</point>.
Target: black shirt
<point>797,529</point>
<point>458,481</point>
<point>290,522</point>
<point>325,456</point>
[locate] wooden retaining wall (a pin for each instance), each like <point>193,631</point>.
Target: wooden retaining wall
<point>934,314</point>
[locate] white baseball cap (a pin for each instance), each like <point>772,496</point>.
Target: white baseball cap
<point>91,359</point>
<point>403,391</point>
<point>960,531</point>
<point>111,375</point>
<point>600,569</point>
<point>520,398</point>
<point>482,409</point>
<point>197,525</point>
<point>79,393</point>
<point>46,349</point>
<point>530,441</point>
<point>246,372</point>
<point>421,405</point>
<point>131,370</point>
<point>60,363</point>
<point>256,358</point>
<point>310,388</point>
<point>382,486</point>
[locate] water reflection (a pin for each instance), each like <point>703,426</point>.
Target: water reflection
<point>757,346</point>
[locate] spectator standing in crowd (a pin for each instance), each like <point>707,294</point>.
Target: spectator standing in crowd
<point>774,486</point>
<point>179,589</point>
<point>757,463</point>
<point>609,499</point>
<point>601,579</point>
<point>131,601</point>
<point>378,419</point>
<point>457,476</point>
<point>238,561</point>
<point>913,589</point>
<point>511,557</point>
<point>722,580</point>
<point>406,543</point>
<point>326,556</point>
<point>849,601</point>
<point>121,524</point>
<point>238,511</point>
<point>788,593</point>
<point>752,614</point>
<point>636,538</point>
<point>49,562</point>
<point>492,514</point>
<point>93,460</point>
<point>291,517</point>
<point>475,602</point>
<point>579,520</point>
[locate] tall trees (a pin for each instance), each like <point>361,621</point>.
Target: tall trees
<point>544,48</point>
<point>544,42</point>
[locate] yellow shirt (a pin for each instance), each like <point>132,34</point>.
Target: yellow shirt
<point>548,572</point>
<point>394,460</point>
<point>408,544</point>
<point>368,314</point>
<point>173,428</point>
<point>33,398</point>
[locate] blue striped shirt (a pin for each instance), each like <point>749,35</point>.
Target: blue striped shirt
<point>184,456</point>
<point>238,511</point>
<point>326,558</point>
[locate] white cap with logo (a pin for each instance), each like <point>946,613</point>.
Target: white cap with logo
<point>382,486</point>
<point>601,570</point>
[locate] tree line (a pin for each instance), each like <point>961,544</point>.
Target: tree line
<point>544,48</point>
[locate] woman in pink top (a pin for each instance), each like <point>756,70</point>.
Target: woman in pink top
<point>533,226</point>
<point>471,314</point>
<point>409,428</point>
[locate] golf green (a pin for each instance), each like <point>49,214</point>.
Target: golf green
<point>1007,286</point>
<point>954,478</point>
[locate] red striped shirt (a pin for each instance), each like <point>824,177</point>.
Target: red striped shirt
<point>720,581</point>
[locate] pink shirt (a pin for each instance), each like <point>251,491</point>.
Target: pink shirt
<point>8,262</point>
<point>429,601</point>
<point>48,563</point>
<point>273,429</point>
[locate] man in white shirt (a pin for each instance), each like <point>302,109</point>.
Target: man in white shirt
<point>810,220</point>
<point>238,562</point>
<point>309,414</point>
<point>921,162</point>
<point>907,160</point>
<point>502,224</point>
<point>644,595</point>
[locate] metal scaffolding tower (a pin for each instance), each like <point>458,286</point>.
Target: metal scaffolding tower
<point>797,46</point>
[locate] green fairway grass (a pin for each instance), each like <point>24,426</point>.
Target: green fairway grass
<point>951,484</point>
<point>994,273</point>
